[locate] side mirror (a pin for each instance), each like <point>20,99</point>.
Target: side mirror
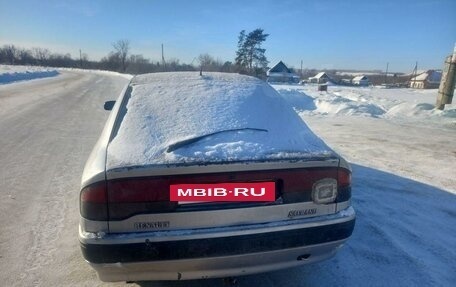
<point>108,105</point>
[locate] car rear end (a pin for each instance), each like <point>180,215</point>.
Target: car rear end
<point>154,140</point>
<point>149,237</point>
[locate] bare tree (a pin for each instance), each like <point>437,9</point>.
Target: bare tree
<point>172,64</point>
<point>41,54</point>
<point>206,60</point>
<point>10,52</point>
<point>119,59</point>
<point>208,63</point>
<point>122,47</point>
<point>25,57</point>
<point>111,62</point>
<point>137,64</point>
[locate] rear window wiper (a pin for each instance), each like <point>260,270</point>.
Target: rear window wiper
<point>179,144</point>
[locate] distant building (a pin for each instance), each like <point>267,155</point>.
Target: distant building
<point>281,74</point>
<point>360,81</point>
<point>346,81</point>
<point>429,79</point>
<point>319,78</point>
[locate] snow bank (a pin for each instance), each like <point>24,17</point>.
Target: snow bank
<point>10,74</point>
<point>403,104</point>
<point>99,72</point>
<point>183,117</point>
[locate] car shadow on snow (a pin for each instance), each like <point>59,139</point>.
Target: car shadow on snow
<point>404,236</point>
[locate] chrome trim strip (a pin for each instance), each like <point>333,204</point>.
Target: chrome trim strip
<point>343,205</point>
<point>188,234</point>
<point>220,218</point>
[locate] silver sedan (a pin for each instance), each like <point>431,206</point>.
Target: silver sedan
<point>209,176</point>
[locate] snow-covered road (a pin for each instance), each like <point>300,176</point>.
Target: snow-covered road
<point>47,128</point>
<point>403,188</point>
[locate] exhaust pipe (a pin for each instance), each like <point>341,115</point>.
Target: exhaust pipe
<point>303,257</point>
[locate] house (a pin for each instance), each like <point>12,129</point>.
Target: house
<point>429,79</point>
<point>281,74</point>
<point>319,78</point>
<point>360,81</point>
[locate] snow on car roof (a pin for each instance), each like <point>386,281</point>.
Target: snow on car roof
<point>172,118</point>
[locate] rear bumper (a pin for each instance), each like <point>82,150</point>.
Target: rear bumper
<point>217,252</point>
<point>215,267</point>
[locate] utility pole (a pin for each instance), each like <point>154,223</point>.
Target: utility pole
<point>301,68</point>
<point>163,60</point>
<point>447,84</point>
<point>414,74</point>
<point>386,74</point>
<point>80,58</point>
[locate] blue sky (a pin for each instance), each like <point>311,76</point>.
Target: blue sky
<point>324,34</point>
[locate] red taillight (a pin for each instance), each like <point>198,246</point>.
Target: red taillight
<point>138,190</point>
<point>302,180</point>
<point>344,185</point>
<point>344,177</point>
<point>93,202</point>
<point>95,193</point>
<point>131,196</point>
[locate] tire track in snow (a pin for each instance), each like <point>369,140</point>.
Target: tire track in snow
<point>51,218</point>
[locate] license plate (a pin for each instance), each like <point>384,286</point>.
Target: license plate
<point>223,192</point>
